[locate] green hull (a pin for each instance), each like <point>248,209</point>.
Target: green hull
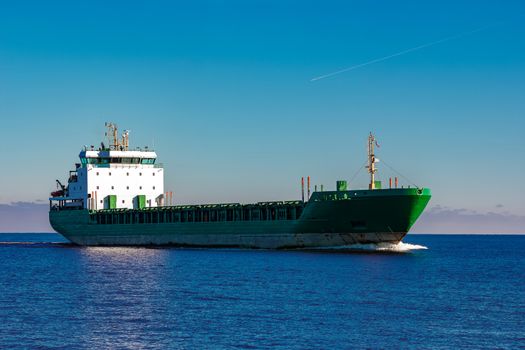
<point>328,219</point>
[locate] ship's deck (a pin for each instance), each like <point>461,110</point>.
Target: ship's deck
<point>263,211</point>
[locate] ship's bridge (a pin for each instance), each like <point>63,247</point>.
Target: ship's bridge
<point>105,157</point>
<point>114,177</point>
<point>110,179</point>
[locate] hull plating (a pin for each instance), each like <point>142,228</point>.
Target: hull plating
<point>329,219</point>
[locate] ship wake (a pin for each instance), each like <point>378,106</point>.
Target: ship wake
<point>400,247</point>
<point>35,244</point>
<point>384,247</point>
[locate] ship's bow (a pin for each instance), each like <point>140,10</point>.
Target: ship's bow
<point>365,216</point>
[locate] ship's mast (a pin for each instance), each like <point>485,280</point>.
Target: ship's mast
<point>371,161</point>
<point>112,135</point>
<point>114,143</point>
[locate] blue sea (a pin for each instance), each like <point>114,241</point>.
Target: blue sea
<point>433,291</point>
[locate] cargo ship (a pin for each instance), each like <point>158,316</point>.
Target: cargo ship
<point>115,197</point>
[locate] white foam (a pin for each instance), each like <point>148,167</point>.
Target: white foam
<point>391,247</point>
<point>400,247</point>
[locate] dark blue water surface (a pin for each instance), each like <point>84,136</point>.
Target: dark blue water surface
<point>462,292</point>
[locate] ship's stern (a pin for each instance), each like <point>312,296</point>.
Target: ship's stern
<point>70,223</point>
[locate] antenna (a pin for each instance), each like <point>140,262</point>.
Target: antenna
<point>125,140</point>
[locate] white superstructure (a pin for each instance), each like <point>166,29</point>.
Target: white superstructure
<point>114,177</point>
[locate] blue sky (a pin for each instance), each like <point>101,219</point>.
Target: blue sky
<point>223,91</point>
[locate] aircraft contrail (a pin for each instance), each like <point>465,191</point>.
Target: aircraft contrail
<point>398,53</point>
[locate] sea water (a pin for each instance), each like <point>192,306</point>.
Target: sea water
<point>432,291</point>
